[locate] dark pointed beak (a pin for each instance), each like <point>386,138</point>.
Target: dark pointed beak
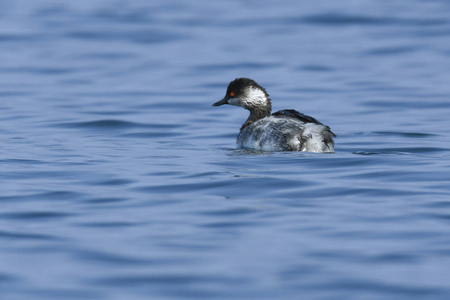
<point>221,102</point>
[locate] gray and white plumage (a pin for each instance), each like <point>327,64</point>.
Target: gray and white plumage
<point>284,130</point>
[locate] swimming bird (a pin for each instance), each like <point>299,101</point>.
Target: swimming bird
<point>284,130</point>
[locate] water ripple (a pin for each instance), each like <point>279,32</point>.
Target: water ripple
<point>243,185</point>
<point>35,216</point>
<point>398,50</point>
<point>39,70</point>
<point>140,37</point>
<point>101,124</point>
<point>12,235</point>
<point>114,124</point>
<point>169,280</point>
<point>406,134</point>
<point>235,66</point>
<point>112,258</point>
<point>150,135</point>
<point>402,150</point>
<point>377,287</point>
<point>45,196</point>
<point>336,19</point>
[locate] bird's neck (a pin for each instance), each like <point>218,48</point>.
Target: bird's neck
<point>257,113</point>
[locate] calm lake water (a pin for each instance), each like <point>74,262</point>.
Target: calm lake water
<point>120,181</point>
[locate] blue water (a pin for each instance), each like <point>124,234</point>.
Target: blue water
<point>120,181</point>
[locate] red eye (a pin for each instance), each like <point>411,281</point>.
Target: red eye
<point>232,94</point>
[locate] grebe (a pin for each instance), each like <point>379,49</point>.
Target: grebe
<point>284,130</point>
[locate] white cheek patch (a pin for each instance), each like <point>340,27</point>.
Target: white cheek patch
<point>255,97</point>
<point>252,97</point>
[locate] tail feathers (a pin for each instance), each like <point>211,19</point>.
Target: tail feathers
<point>317,138</point>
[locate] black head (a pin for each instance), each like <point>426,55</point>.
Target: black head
<point>237,88</point>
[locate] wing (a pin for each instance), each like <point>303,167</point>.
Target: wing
<point>296,115</point>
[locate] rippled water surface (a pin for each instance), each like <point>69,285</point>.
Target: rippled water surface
<point>120,181</point>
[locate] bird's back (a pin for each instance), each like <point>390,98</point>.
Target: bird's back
<point>287,130</point>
